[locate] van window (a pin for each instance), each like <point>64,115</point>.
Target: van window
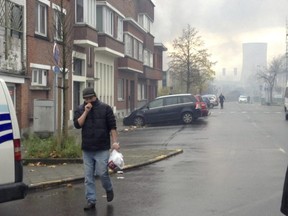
<point>188,99</point>
<point>156,103</point>
<point>171,100</point>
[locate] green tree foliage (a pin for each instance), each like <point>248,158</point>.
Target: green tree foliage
<point>190,65</point>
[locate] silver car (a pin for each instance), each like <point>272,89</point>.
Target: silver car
<point>243,99</point>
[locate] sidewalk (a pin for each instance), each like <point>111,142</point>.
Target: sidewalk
<point>50,173</point>
<point>40,175</point>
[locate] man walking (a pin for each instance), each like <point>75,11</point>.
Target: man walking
<point>221,99</point>
<point>98,123</point>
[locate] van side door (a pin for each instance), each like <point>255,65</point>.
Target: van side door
<point>154,111</point>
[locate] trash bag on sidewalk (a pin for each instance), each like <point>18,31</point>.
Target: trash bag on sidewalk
<point>115,160</point>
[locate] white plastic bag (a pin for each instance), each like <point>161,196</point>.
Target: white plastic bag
<point>115,160</point>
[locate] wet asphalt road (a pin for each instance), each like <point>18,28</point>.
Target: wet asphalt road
<point>233,164</point>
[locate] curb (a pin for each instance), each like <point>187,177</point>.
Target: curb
<point>68,181</point>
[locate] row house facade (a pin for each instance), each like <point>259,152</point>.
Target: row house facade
<point>113,51</point>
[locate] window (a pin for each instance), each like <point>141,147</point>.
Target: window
<point>108,21</point>
<point>140,52</point>
<point>17,18</point>
<point>171,100</point>
<point>148,58</point>
<point>58,18</point>
<point>86,12</point>
<point>142,93</point>
<point>41,19</point>
<point>128,45</point>
<point>39,77</point>
<point>156,103</point>
<point>145,21</point>
<point>105,22</point>
<point>78,67</point>
<point>120,91</point>
<point>187,99</point>
<point>79,11</point>
<point>133,47</point>
<point>120,29</point>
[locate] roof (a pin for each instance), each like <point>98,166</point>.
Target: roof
<point>174,95</point>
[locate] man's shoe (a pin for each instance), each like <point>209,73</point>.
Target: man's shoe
<point>89,206</point>
<point>110,195</point>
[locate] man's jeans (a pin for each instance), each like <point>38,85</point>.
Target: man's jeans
<point>96,163</point>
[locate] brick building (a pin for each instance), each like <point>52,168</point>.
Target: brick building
<point>112,49</point>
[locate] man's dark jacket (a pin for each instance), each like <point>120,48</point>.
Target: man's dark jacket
<point>284,203</point>
<point>97,126</point>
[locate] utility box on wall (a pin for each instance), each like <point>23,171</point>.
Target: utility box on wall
<point>43,117</point>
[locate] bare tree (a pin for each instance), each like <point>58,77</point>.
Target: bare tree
<point>63,32</point>
<point>268,75</point>
<point>190,62</point>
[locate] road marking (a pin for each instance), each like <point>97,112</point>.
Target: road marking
<point>282,150</point>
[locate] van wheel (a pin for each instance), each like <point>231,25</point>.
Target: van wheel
<point>138,121</point>
<point>187,118</point>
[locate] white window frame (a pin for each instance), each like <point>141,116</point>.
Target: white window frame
<point>140,50</point>
<point>88,13</point>
<point>79,17</point>
<point>148,58</point>
<point>120,88</point>
<point>142,93</point>
<point>145,21</point>
<point>39,77</point>
<point>82,66</point>
<point>58,34</point>
<point>135,49</point>
<point>120,29</point>
<point>108,18</point>
<point>39,22</point>
<point>128,45</point>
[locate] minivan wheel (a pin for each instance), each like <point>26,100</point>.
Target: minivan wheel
<point>187,118</point>
<point>138,121</point>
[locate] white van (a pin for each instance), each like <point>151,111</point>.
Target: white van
<point>286,103</point>
<point>11,169</point>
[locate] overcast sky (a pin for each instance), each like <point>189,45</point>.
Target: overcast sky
<point>224,25</point>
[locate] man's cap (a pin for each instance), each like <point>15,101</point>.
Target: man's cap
<point>88,92</point>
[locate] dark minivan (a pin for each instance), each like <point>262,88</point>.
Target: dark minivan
<point>163,109</point>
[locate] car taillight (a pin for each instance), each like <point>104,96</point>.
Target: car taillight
<point>17,149</point>
<point>198,106</point>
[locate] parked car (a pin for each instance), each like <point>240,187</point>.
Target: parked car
<point>213,99</point>
<point>204,108</point>
<point>243,99</point>
<point>286,103</point>
<point>11,169</point>
<point>207,101</point>
<point>168,108</point>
